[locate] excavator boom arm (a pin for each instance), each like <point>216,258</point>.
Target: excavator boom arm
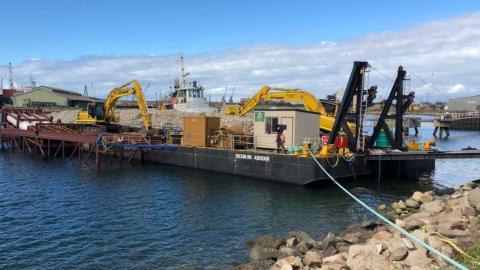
<point>130,88</point>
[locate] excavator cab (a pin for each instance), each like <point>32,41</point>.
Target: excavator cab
<point>94,113</point>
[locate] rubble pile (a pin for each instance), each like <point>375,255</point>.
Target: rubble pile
<point>132,117</point>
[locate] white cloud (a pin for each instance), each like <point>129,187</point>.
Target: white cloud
<point>445,54</point>
<point>456,88</point>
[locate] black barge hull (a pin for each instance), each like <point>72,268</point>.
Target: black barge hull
<point>280,167</point>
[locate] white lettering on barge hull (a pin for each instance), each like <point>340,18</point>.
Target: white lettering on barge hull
<point>254,157</point>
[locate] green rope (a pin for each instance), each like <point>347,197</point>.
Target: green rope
<point>384,219</point>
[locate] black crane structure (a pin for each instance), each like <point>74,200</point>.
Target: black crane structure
<point>353,107</point>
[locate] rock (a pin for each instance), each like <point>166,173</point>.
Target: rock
<point>329,240</point>
<point>257,265</point>
<point>417,196</point>
<point>434,207</point>
<point>261,253</point>
<point>282,265</point>
<point>328,251</point>
<point>266,242</point>
<point>434,242</point>
<point>338,258</point>
<point>382,207</point>
<point>412,203</point>
<point>467,186</point>
<point>293,261</point>
<point>395,206</point>
<point>379,248</point>
<point>369,224</point>
<point>474,198</point>
<point>398,250</point>
<point>418,258</point>
<point>313,259</point>
<point>456,195</point>
<point>400,223</point>
<point>352,238</point>
<point>401,204</point>
<point>302,236</point>
<point>420,235</point>
<point>459,224</point>
<point>408,243</point>
<point>382,236</point>
<point>286,252</point>
<point>291,242</point>
<point>303,247</point>
<point>362,257</point>
<point>467,210</point>
<point>413,224</point>
<point>427,197</point>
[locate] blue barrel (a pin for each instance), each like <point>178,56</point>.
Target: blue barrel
<point>382,140</point>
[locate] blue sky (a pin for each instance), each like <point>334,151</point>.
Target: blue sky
<point>71,29</point>
<point>242,44</point>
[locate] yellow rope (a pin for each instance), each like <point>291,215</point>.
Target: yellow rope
<point>454,246</point>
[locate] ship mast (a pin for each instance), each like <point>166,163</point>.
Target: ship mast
<point>183,73</point>
<point>10,76</point>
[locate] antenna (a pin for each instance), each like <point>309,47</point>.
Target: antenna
<point>231,97</point>
<point>10,76</point>
<point>33,83</point>
<point>85,90</point>
<point>224,95</point>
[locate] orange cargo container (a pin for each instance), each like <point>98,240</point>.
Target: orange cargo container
<point>196,129</point>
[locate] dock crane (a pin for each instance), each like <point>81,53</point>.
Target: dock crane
<point>268,93</point>
<point>99,113</point>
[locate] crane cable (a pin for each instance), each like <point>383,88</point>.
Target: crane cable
<point>384,219</point>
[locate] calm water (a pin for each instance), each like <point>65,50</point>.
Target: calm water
<point>58,214</point>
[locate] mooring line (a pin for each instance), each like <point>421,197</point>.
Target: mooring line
<point>384,219</point>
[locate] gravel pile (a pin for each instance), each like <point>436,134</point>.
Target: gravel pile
<point>132,117</point>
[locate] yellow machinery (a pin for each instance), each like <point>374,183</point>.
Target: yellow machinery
<point>105,113</point>
<point>310,103</point>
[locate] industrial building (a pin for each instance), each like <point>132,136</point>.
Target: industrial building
<point>46,96</point>
<point>464,104</point>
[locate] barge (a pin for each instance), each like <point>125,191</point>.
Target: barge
<point>204,145</point>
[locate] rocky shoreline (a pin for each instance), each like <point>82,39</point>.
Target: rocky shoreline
<point>441,221</point>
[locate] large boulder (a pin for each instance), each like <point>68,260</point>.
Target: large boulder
<point>262,253</point>
<point>434,207</point>
<point>288,263</point>
<point>329,240</point>
<point>363,257</point>
<point>301,236</point>
<point>474,198</point>
<point>286,252</point>
<point>313,259</point>
<point>412,203</point>
<point>304,247</point>
<point>398,250</point>
<point>417,196</point>
<point>418,258</point>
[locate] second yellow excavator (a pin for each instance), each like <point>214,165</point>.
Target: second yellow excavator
<point>310,103</point>
<point>99,113</point>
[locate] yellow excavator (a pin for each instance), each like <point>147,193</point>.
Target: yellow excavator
<point>268,93</point>
<point>104,113</point>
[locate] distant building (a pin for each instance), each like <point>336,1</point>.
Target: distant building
<point>464,104</point>
<point>46,96</point>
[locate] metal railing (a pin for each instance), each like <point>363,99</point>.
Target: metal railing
<point>457,116</point>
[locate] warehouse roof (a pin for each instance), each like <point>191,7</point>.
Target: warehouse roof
<point>70,95</point>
